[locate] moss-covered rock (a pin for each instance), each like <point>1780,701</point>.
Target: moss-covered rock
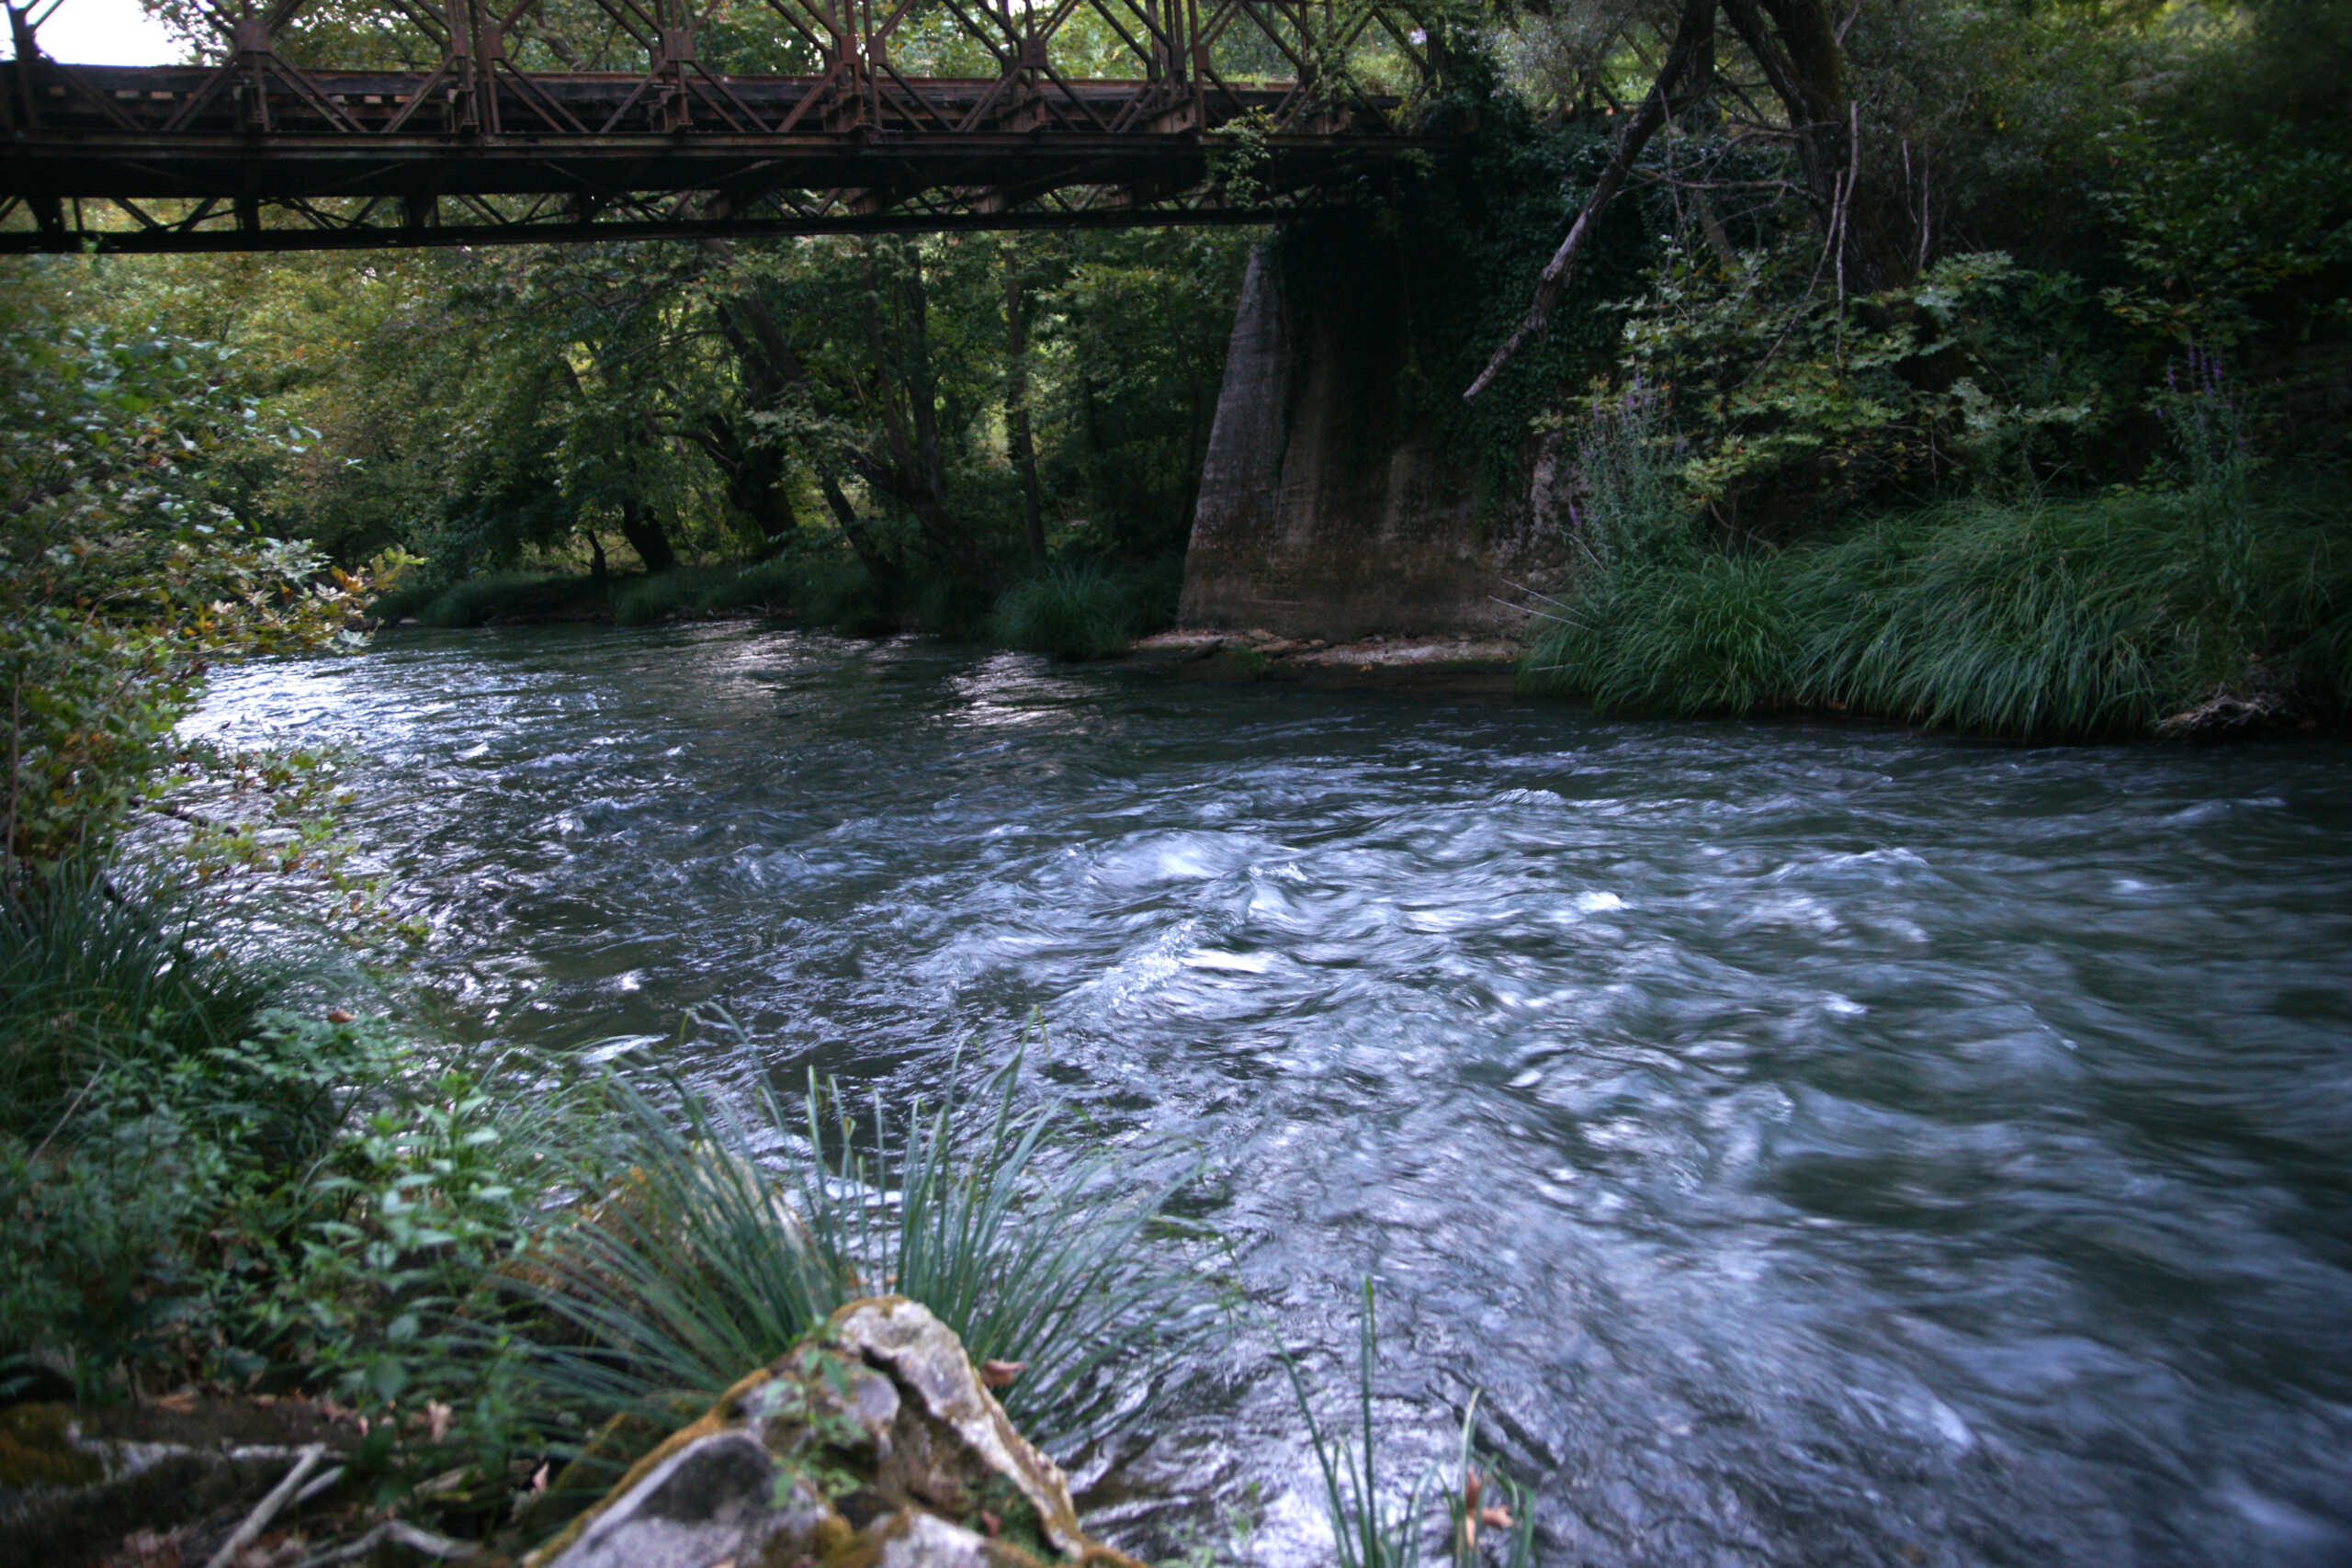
<point>874,1444</point>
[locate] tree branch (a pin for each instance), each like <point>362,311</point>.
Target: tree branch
<point>1695,29</point>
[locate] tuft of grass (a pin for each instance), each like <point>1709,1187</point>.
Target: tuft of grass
<point>707,1262</point>
<point>1081,612</point>
<point>1368,1532</point>
<point>1713,635</point>
<point>410,599</point>
<point>2049,619</point>
<point>836,592</point>
<point>91,973</point>
<point>658,597</point>
<point>477,599</point>
<point>766,586</point>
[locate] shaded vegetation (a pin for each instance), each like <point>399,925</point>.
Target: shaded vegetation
<point>1085,612</point>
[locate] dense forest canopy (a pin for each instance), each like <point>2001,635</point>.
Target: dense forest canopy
<point>2152,177</point>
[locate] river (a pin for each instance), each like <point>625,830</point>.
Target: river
<point>1821,1144</point>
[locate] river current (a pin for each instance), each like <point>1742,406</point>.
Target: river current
<point>1820,1143</point>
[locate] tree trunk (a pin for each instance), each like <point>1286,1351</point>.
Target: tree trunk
<point>754,473</point>
<point>915,473</point>
<point>1796,44</point>
<point>1016,402</point>
<point>643,531</point>
<point>879,566</point>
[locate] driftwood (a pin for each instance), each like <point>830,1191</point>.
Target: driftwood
<point>269,1508</point>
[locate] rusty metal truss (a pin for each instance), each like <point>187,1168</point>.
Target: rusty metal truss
<point>486,122</point>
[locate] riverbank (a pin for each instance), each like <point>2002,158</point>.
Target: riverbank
<point>2067,657</point>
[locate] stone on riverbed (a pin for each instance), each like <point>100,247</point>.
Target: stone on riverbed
<point>873,1445</point>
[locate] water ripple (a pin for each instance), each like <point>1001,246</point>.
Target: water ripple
<point>1821,1144</point>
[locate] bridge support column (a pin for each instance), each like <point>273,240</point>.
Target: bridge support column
<point>1330,505</point>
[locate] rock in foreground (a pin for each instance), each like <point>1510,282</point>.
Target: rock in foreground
<point>873,1445</point>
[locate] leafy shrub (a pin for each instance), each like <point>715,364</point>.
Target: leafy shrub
<point>95,1253</point>
<point>123,567</point>
<point>1795,404</point>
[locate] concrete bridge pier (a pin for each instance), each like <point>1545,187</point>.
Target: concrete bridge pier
<point>1329,507</point>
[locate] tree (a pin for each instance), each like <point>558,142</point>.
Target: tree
<point>1799,52</point>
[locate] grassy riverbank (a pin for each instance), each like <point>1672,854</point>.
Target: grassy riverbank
<point>239,1207</point>
<point>2123,615</point>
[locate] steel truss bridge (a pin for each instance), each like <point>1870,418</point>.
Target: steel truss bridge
<point>468,122</point>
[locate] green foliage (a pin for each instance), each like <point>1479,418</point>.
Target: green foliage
<point>123,570</point>
<point>1081,612</point>
<point>2032,618</point>
<point>1132,335</point>
<point>94,1254</point>
<point>1795,405</point>
<point>706,1261</point>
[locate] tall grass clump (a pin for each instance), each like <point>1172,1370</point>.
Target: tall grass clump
<point>1659,621</point>
<point>663,594</point>
<point>90,975</point>
<point>1070,612</point>
<point>838,592</point>
<point>765,586</point>
<point>709,1260</point>
<point>1712,634</point>
<point>407,598</point>
<point>2007,619</point>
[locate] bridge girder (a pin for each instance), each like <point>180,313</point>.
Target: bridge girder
<point>489,126</point>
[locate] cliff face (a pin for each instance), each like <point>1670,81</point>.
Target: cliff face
<point>1323,512</point>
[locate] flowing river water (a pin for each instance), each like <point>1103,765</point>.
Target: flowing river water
<point>1820,1143</point>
